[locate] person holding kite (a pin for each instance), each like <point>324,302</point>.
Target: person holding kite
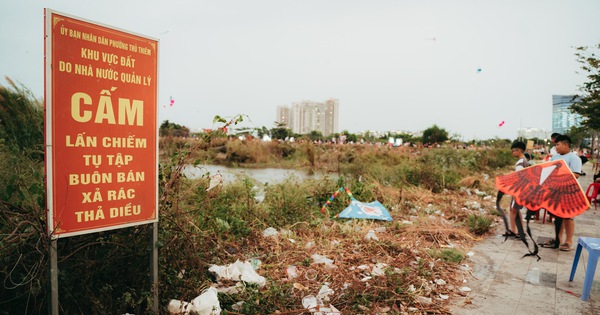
<point>565,225</point>
<point>553,149</point>
<point>517,150</point>
<point>550,185</point>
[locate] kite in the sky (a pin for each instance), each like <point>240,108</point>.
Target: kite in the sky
<point>478,70</point>
<point>501,124</point>
<point>551,186</point>
<point>171,102</point>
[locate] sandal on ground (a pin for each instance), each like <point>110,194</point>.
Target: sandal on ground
<point>549,244</point>
<point>565,247</point>
<point>509,233</point>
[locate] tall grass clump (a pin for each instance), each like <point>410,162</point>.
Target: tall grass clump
<point>23,246</point>
<point>479,224</point>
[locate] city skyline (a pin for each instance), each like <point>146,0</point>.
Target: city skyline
<point>306,116</point>
<point>463,65</point>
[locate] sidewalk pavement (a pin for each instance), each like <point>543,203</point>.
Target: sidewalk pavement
<point>503,282</point>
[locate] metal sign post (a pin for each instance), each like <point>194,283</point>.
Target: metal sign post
<point>101,131</point>
<point>53,306</point>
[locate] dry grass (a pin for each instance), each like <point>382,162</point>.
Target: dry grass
<point>414,254</point>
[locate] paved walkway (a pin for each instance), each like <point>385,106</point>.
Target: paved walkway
<point>504,283</point>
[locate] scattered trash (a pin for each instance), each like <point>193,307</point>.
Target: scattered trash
<point>206,303</point>
<point>379,269</point>
<point>255,263</point>
<point>238,271</point>
<point>292,272</point>
<point>215,180</point>
<point>464,289</point>
<point>480,193</point>
<point>411,288</point>
<point>424,300</point>
<point>371,235</point>
<point>470,254</point>
<point>310,274</point>
<point>179,307</point>
<point>406,222</point>
<point>380,229</point>
<point>309,301</point>
<point>440,282</point>
<point>270,231</point>
<point>444,297</point>
<point>325,292</point>
<point>316,306</point>
<point>320,259</point>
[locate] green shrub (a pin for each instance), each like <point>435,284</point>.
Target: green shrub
<point>479,224</point>
<point>451,255</point>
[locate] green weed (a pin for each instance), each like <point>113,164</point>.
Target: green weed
<point>479,224</point>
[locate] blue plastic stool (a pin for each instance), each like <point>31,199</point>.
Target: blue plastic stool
<point>592,245</point>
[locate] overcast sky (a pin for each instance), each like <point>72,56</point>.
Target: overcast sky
<point>394,65</point>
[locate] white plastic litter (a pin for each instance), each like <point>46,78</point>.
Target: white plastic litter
<point>179,307</point>
<point>292,272</point>
<point>316,307</point>
<point>238,271</point>
<point>479,192</point>
<point>215,181</point>
<point>325,292</point>
<point>371,235</point>
<point>380,229</point>
<point>379,269</point>
<point>424,300</point>
<point>309,301</point>
<point>320,259</point>
<point>270,232</point>
<point>440,282</point>
<point>206,303</point>
<point>465,289</point>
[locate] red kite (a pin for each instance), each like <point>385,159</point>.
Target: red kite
<point>551,186</point>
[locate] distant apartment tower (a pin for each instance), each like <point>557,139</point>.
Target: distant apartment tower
<point>306,116</point>
<point>562,117</point>
<point>283,116</point>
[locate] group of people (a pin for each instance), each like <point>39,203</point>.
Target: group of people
<point>564,227</point>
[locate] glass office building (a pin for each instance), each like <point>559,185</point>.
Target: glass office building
<point>562,117</point>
